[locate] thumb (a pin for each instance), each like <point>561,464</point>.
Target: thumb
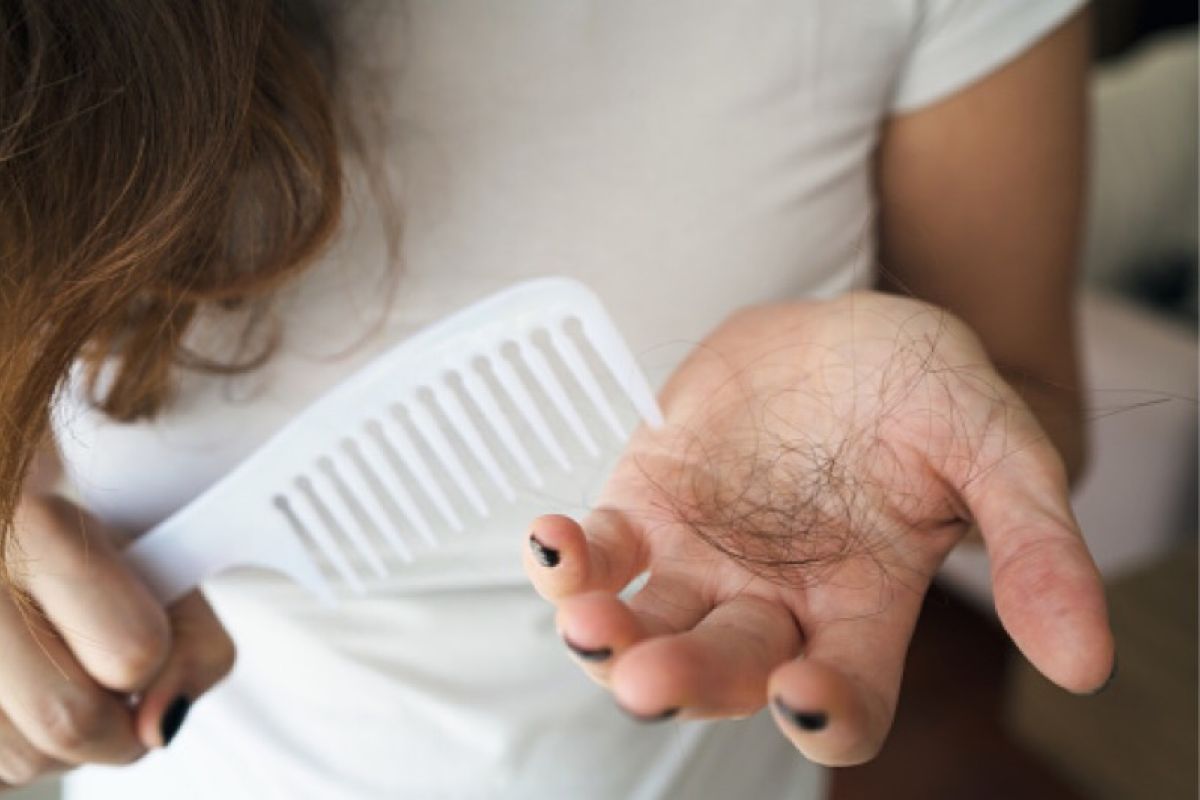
<point>1047,589</point>
<point>201,655</point>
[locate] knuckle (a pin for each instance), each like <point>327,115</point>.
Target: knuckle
<point>139,653</point>
<point>70,719</point>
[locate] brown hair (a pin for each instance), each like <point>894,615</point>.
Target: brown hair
<point>156,157</point>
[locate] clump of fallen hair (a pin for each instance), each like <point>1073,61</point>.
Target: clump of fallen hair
<point>788,509</point>
<point>791,499</point>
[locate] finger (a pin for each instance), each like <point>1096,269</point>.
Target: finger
<point>202,653</point>
<point>719,668</point>
<point>1048,591</point>
<point>836,702</point>
<point>20,761</point>
<point>52,701</point>
<point>105,614</point>
<point>597,627</point>
<point>563,557</point>
<point>671,601</point>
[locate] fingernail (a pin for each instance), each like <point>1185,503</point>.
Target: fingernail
<point>1112,676</point>
<point>594,654</point>
<point>811,721</point>
<point>173,718</point>
<point>659,717</point>
<point>546,556</point>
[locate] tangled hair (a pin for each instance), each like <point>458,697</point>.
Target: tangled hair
<point>156,157</point>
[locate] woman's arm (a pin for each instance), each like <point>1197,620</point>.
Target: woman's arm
<point>981,211</point>
<point>820,459</point>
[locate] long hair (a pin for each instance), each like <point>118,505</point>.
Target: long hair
<point>156,157</point>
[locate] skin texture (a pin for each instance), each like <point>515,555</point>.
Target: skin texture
<point>85,637</point>
<point>819,462</point>
<point>821,459</point>
<point>981,213</point>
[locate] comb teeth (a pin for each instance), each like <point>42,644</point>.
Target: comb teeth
<point>471,408</point>
<point>403,454</point>
<point>429,430</point>
<point>486,402</point>
<point>376,458</point>
<point>343,508</point>
<point>376,513</point>
<point>528,409</point>
<point>313,519</point>
<point>558,395</point>
<point>473,437</point>
<point>579,369</point>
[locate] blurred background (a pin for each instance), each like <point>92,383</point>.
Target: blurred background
<point>975,721</point>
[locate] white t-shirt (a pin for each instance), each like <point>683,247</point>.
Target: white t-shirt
<point>683,159</point>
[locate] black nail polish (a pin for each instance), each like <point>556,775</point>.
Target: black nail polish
<point>546,556</point>
<point>661,716</point>
<point>173,717</point>
<point>811,721</point>
<point>592,654</point>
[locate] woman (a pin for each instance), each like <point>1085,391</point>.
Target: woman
<point>169,166</point>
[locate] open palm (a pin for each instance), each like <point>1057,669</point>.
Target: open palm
<point>819,460</point>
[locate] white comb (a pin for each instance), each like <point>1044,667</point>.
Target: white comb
<point>324,483</point>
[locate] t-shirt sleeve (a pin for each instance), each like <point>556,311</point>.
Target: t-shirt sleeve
<point>957,42</point>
